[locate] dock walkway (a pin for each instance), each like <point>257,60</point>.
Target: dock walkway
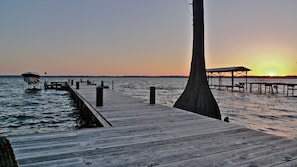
<point>153,135</point>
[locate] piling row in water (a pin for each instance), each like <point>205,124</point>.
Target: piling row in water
<point>90,117</point>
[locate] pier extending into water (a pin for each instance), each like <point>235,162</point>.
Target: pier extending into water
<point>143,134</point>
<point>288,89</point>
<point>273,88</point>
<point>56,85</point>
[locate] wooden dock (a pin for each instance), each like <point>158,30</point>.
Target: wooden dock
<point>142,134</point>
<point>273,88</point>
<point>55,85</point>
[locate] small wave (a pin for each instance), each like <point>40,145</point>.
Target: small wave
<point>44,122</point>
<point>24,117</point>
<point>53,126</point>
<point>14,126</point>
<point>35,103</point>
<point>285,110</point>
<point>48,117</point>
<point>270,117</point>
<point>32,123</point>
<point>64,94</point>
<point>272,129</point>
<point>288,117</point>
<point>291,116</point>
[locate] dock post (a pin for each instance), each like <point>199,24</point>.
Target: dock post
<point>99,96</point>
<point>72,82</point>
<point>152,95</point>
<point>77,85</point>
<point>102,84</point>
<point>232,80</point>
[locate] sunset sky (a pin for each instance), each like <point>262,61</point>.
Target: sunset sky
<point>145,37</point>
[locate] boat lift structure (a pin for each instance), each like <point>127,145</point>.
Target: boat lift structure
<point>33,80</point>
<point>230,72</point>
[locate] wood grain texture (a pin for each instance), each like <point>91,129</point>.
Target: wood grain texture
<point>153,135</point>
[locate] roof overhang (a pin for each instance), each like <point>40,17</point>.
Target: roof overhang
<point>228,69</point>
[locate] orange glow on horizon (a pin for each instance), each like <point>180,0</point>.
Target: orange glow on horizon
<point>263,58</point>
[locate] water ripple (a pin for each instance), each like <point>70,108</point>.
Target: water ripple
<point>26,113</point>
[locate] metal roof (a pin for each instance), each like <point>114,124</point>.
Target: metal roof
<point>228,69</point>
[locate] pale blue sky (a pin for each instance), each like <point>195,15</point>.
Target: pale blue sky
<point>144,37</point>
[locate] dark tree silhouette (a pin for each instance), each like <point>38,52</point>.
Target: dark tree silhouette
<point>197,96</point>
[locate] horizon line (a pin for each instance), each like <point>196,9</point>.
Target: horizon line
<point>154,76</point>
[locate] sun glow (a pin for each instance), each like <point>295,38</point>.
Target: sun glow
<point>274,60</point>
<point>271,74</point>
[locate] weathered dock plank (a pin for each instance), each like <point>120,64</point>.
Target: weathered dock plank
<point>152,135</point>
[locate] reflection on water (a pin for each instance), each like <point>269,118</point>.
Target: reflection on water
<point>270,114</point>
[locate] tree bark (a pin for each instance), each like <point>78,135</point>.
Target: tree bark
<point>197,96</point>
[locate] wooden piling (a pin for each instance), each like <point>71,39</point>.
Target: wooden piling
<point>152,95</point>
<point>99,96</point>
<point>77,85</point>
<point>89,116</point>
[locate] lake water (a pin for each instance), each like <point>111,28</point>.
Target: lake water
<point>24,112</point>
<point>50,110</point>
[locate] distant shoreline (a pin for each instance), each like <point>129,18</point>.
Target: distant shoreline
<point>105,76</point>
<point>161,76</point>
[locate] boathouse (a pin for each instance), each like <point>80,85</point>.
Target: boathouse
<point>230,72</point>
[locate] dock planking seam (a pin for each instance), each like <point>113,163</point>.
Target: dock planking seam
<point>103,143</point>
<point>122,131</point>
<point>223,158</point>
<point>171,153</point>
<point>70,162</point>
<point>111,139</point>
<point>144,135</point>
<point>193,138</point>
<point>114,150</point>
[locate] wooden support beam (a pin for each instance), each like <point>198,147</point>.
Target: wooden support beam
<point>77,85</point>
<point>99,96</point>
<point>152,95</point>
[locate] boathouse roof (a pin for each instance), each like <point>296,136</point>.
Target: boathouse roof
<point>228,69</point>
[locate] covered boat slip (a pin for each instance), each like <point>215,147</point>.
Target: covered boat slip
<point>31,77</point>
<point>215,80</point>
<point>230,72</point>
<point>145,134</point>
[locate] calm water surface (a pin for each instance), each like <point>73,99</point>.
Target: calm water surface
<point>23,113</point>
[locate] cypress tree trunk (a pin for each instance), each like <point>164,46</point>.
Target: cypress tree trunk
<point>197,96</point>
